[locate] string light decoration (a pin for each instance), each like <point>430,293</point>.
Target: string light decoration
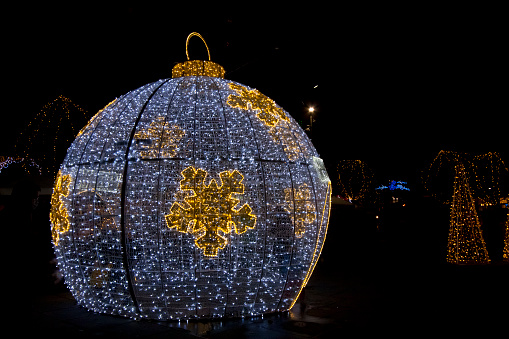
<point>211,209</point>
<point>466,243</point>
<point>355,180</point>
<point>272,116</point>
<point>491,177</point>
<point>182,204</point>
<point>302,211</point>
<point>47,135</point>
<point>29,165</point>
<point>438,179</point>
<point>505,252</point>
<point>59,216</point>
<point>165,143</point>
<point>486,173</point>
<point>394,185</point>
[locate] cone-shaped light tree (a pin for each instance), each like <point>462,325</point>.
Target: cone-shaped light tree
<point>466,244</point>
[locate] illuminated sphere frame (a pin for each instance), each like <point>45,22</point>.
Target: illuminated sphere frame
<point>190,197</point>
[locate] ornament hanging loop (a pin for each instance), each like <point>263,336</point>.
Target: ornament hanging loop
<point>199,36</point>
<point>197,67</point>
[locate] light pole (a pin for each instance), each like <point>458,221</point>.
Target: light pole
<point>311,110</point>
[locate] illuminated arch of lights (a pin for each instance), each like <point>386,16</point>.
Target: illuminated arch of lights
<point>487,175</point>
<point>49,132</point>
<point>480,179</point>
<point>355,180</point>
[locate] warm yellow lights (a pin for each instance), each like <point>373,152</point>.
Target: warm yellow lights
<point>197,67</point>
<point>290,145</point>
<point>478,179</point>
<point>323,227</point>
<point>489,170</point>
<point>268,111</point>
<point>99,275</point>
<point>270,114</point>
<point>506,241</point>
<point>300,207</point>
<point>192,197</point>
<point>59,216</point>
<point>94,117</point>
<point>209,212</point>
<point>466,243</point>
<point>199,36</point>
<point>47,135</point>
<point>153,143</point>
<point>355,181</point>
<point>484,173</point>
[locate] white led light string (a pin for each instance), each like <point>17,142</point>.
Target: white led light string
<point>150,112</point>
<point>79,166</point>
<point>262,169</point>
<point>160,193</point>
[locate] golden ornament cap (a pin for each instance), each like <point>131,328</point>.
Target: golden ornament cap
<point>197,67</point>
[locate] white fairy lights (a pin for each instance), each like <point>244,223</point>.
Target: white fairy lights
<point>124,234</point>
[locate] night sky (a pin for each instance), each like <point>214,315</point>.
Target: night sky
<point>392,85</point>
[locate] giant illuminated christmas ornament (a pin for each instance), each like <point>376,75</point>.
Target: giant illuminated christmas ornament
<point>190,197</point>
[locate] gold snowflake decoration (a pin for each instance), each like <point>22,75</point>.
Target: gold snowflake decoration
<point>300,207</point>
<point>209,212</point>
<point>271,115</point>
<point>158,136</point>
<point>99,275</point>
<point>290,145</point>
<point>267,109</point>
<point>58,215</point>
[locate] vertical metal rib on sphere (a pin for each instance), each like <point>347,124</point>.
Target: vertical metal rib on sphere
<point>126,167</point>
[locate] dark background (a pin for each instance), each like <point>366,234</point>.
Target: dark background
<point>396,83</point>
